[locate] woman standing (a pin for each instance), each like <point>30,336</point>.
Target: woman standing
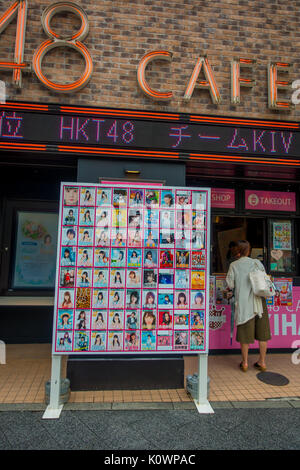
<point>251,313</point>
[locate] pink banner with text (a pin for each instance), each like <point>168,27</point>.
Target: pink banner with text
<point>270,200</point>
<point>284,322</point>
<point>223,198</point>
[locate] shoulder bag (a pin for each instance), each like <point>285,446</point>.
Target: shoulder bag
<point>261,283</point>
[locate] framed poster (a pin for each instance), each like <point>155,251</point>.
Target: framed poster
<point>132,269</point>
<point>36,240</point>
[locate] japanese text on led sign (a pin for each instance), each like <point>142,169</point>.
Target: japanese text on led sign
<point>51,128</point>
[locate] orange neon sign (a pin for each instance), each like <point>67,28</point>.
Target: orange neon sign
<point>141,72</point>
<point>237,81</point>
<point>73,42</point>
<point>208,82</point>
<point>275,85</point>
<point>19,9</point>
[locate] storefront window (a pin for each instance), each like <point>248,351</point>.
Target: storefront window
<point>282,252</point>
<point>35,250</point>
<point>227,231</point>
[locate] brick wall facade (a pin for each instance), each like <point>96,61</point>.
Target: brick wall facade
<point>121,32</point>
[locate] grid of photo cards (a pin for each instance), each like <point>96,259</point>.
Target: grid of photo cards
<point>132,267</point>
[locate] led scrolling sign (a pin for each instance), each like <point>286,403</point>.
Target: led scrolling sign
<point>202,75</point>
<point>55,129</point>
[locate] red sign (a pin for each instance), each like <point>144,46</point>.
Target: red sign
<point>223,198</point>
<point>270,200</point>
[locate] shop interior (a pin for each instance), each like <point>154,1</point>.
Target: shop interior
<point>272,235</point>
<point>227,230</point>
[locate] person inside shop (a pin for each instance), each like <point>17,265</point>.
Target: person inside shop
<point>251,313</point>
<point>232,253</point>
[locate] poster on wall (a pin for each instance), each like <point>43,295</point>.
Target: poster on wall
<point>283,292</point>
<point>36,245</point>
<point>221,289</point>
<point>132,269</point>
<point>282,236</point>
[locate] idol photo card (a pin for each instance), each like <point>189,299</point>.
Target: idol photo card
<point>136,198</point>
<point>134,278</point>
<point>183,199</point>
<point>150,278</point>
<point>118,257</point>
<point>120,197</point>
<point>102,237</point>
<point>100,278</point>
<point>82,319</point>
<point>103,197</point>
<point>98,341</point>
<point>70,215</point>
<point>86,216</point>
<point>165,319</point>
<point>87,196</point>
<point>132,318</point>
<point>99,319</point>
<point>101,257</point>
<point>65,319</point>
<point>134,259</point>
<point>69,236</point>
<point>116,320</point>
<point>86,236</point>
<point>151,218</point>
<point>71,196</point>
<point>117,278</point>
<point>67,277</point>
<point>167,199</point>
<point>64,341</point>
<point>84,277</point>
<point>103,217</point>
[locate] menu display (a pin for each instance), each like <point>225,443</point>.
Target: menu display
<point>132,269</point>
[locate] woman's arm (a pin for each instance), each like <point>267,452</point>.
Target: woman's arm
<point>230,277</point>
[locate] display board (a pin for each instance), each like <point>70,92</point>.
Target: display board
<point>264,138</point>
<point>132,269</point>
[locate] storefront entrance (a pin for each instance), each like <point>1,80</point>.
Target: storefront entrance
<point>272,241</point>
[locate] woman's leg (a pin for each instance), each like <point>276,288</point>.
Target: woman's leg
<point>245,349</point>
<point>262,353</point>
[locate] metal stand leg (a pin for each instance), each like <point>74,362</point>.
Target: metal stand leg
<point>2,352</point>
<point>202,403</point>
<point>54,408</point>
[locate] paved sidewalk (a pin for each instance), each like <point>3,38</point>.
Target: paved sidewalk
<point>28,368</point>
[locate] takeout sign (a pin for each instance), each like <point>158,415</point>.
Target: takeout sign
<point>270,200</point>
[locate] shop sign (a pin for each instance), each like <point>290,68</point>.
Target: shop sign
<point>201,77</point>
<point>270,201</point>
<point>222,198</point>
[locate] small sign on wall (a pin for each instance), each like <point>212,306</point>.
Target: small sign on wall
<point>270,201</point>
<point>223,198</point>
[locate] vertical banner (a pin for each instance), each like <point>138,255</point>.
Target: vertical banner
<point>132,269</point>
